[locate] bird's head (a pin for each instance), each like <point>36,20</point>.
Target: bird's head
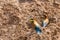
<point>45,16</point>
<point>32,20</point>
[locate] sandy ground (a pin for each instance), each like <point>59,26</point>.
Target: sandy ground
<point>15,15</point>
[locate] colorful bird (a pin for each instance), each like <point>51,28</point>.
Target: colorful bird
<point>45,21</point>
<point>36,26</point>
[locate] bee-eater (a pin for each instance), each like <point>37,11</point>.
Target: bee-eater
<point>36,26</point>
<point>45,21</point>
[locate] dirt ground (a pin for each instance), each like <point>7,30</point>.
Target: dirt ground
<point>15,15</point>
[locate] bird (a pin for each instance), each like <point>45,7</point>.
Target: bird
<point>36,26</point>
<point>45,21</point>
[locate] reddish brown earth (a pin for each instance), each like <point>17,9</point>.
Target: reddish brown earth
<point>15,15</point>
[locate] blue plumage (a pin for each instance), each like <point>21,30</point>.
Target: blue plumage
<point>36,26</point>
<point>38,30</point>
